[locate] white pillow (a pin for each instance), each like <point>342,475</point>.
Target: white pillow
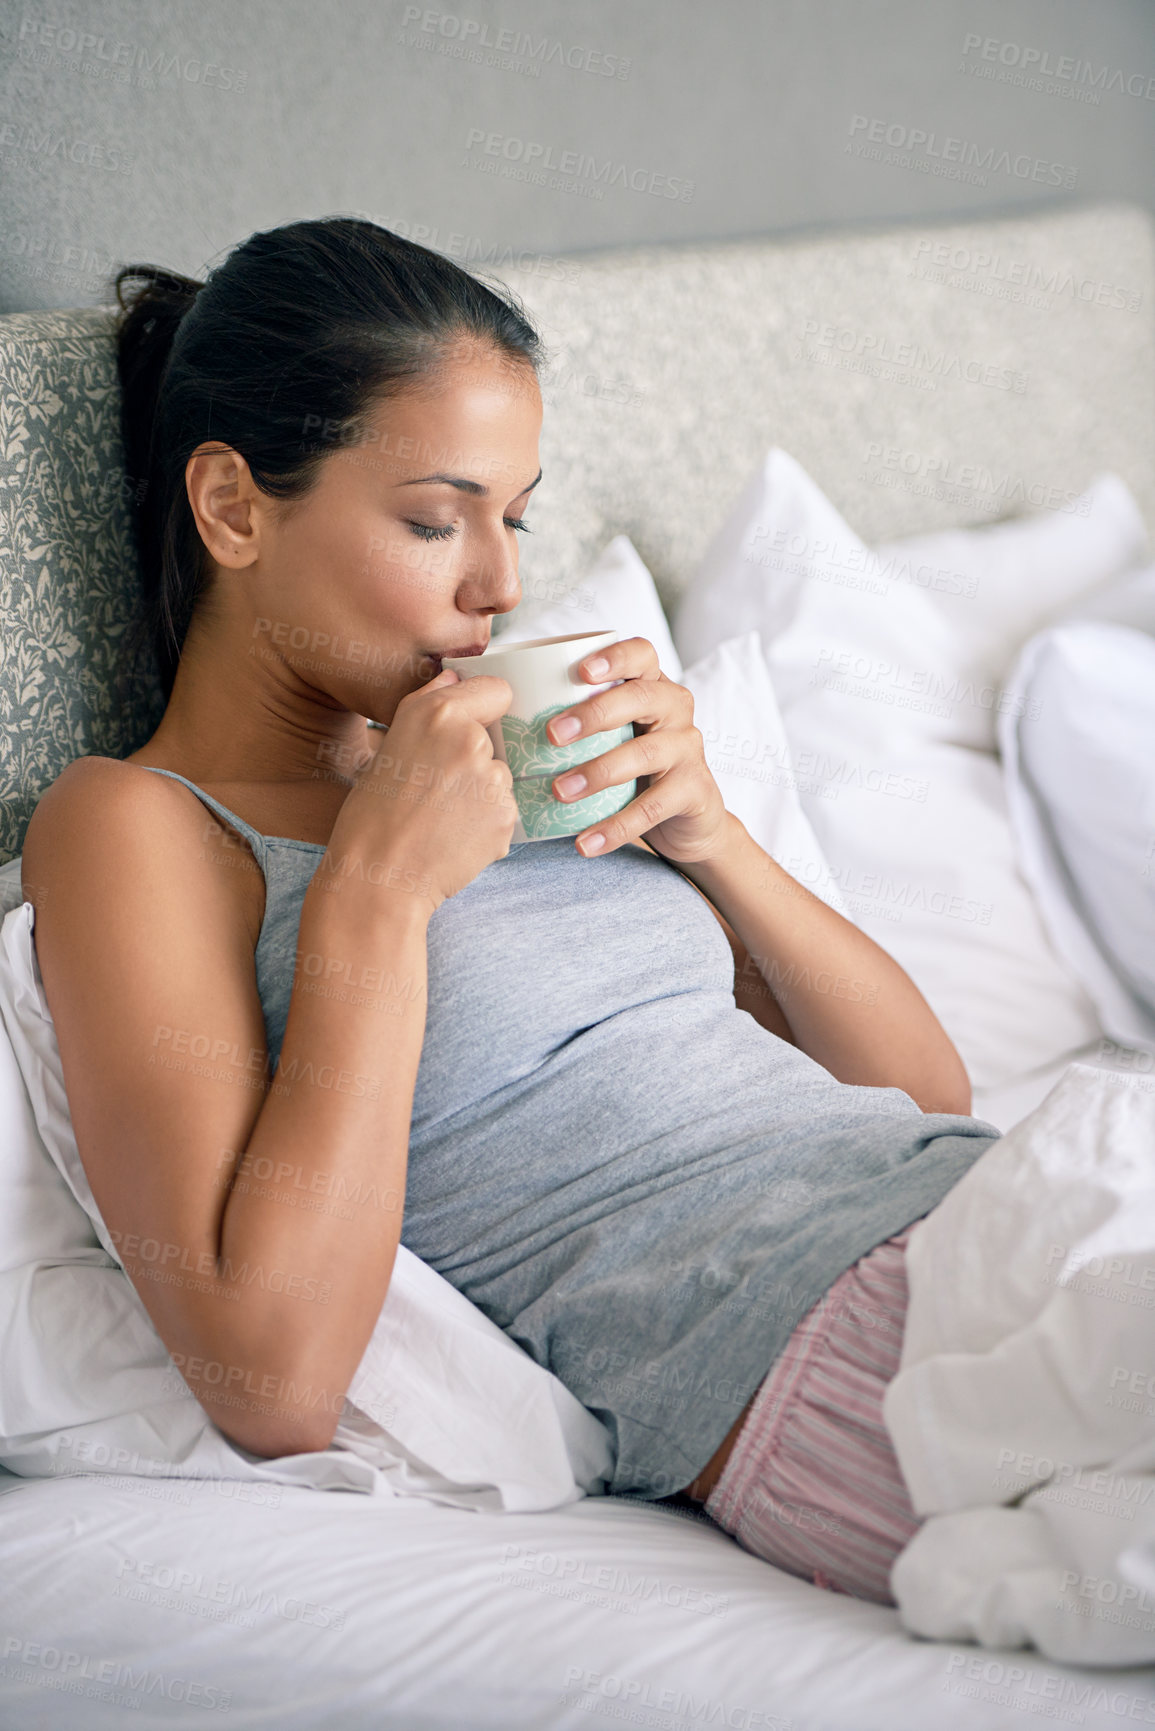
<point>1129,601</point>
<point>919,634</point>
<point>1079,757</point>
<point>749,757</point>
<point>443,1405</point>
<point>39,1216</point>
<point>995,586</point>
<point>617,594</point>
<point>913,822</point>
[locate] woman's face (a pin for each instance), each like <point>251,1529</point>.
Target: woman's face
<point>406,545</point>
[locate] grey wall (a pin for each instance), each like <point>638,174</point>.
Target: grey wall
<point>168,131</point>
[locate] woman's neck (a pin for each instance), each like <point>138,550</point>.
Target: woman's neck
<point>236,717</point>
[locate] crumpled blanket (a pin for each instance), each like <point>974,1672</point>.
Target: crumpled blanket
<point>1023,1412</point>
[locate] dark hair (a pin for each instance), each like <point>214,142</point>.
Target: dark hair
<point>300,328</point>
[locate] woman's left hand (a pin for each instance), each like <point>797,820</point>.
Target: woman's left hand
<point>678,809</point>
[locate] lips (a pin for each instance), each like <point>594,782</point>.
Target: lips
<point>438,657</point>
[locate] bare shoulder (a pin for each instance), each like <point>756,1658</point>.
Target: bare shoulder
<point>101,793</point>
<point>95,800</point>
<point>111,834</point>
<point>99,815</point>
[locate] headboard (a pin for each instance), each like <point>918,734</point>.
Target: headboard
<point>924,376</point>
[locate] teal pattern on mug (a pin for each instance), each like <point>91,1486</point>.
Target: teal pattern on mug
<point>529,750</point>
<point>544,816</point>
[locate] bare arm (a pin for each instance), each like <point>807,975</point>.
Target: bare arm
<point>259,1225</point>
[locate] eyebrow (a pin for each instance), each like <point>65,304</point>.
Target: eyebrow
<point>463,485</point>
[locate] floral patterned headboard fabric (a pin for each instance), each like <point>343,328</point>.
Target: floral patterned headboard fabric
<point>69,581</point>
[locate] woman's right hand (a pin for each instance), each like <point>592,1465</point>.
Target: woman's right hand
<point>433,806</point>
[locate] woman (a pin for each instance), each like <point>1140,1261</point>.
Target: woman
<point>325,960</point>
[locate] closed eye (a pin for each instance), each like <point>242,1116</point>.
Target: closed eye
<point>428,533</point>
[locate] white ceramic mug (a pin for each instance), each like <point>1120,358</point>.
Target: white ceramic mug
<point>544,677</point>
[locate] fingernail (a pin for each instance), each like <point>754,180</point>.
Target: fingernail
<point>594,843</point>
<point>567,728</point>
<point>597,666</point>
<point>568,785</point>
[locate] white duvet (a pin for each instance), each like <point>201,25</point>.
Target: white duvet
<point>1023,1413</point>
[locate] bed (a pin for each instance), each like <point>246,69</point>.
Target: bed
<point>926,380</point>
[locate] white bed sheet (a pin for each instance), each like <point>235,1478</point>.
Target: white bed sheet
<point>359,1614</point>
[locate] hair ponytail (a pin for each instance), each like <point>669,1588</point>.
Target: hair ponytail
<point>152,312</point>
<point>279,355</point>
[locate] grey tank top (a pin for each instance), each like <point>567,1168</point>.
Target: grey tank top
<point>642,1186</point>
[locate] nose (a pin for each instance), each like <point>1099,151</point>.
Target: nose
<point>494,586</point>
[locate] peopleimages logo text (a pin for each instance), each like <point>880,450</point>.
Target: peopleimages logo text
<point>30,138</point>
<point>1067,68</point>
<point>44,37</point>
<point>519,44</point>
<point>917,141</point>
<point>577,165</point>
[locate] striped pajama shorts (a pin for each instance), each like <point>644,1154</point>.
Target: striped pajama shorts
<point>812,1483</point>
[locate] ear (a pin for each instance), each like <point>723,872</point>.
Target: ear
<point>226,503</point>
